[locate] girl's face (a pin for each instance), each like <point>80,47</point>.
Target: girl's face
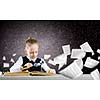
<point>32,50</point>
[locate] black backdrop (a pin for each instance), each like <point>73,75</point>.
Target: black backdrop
<point>51,34</point>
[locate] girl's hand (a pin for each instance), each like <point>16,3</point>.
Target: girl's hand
<point>28,65</point>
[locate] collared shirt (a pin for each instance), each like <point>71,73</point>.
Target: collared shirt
<point>17,66</point>
<point>31,59</point>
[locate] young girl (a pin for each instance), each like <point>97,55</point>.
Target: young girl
<point>31,62</point>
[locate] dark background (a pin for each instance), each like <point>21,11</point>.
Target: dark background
<point>51,34</point>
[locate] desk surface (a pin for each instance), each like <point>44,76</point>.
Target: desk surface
<point>40,76</point>
<point>54,77</point>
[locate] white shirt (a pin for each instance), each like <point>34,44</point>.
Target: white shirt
<point>17,66</point>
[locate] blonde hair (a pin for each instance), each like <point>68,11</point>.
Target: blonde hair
<point>31,41</point>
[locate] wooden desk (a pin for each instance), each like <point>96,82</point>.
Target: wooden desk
<point>34,73</point>
<point>27,76</point>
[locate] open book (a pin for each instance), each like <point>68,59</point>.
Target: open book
<point>26,73</point>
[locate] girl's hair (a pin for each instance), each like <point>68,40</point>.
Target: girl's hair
<point>31,40</point>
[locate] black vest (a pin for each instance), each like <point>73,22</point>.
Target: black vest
<point>36,65</point>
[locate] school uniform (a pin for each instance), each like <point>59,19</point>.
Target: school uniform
<point>38,64</point>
